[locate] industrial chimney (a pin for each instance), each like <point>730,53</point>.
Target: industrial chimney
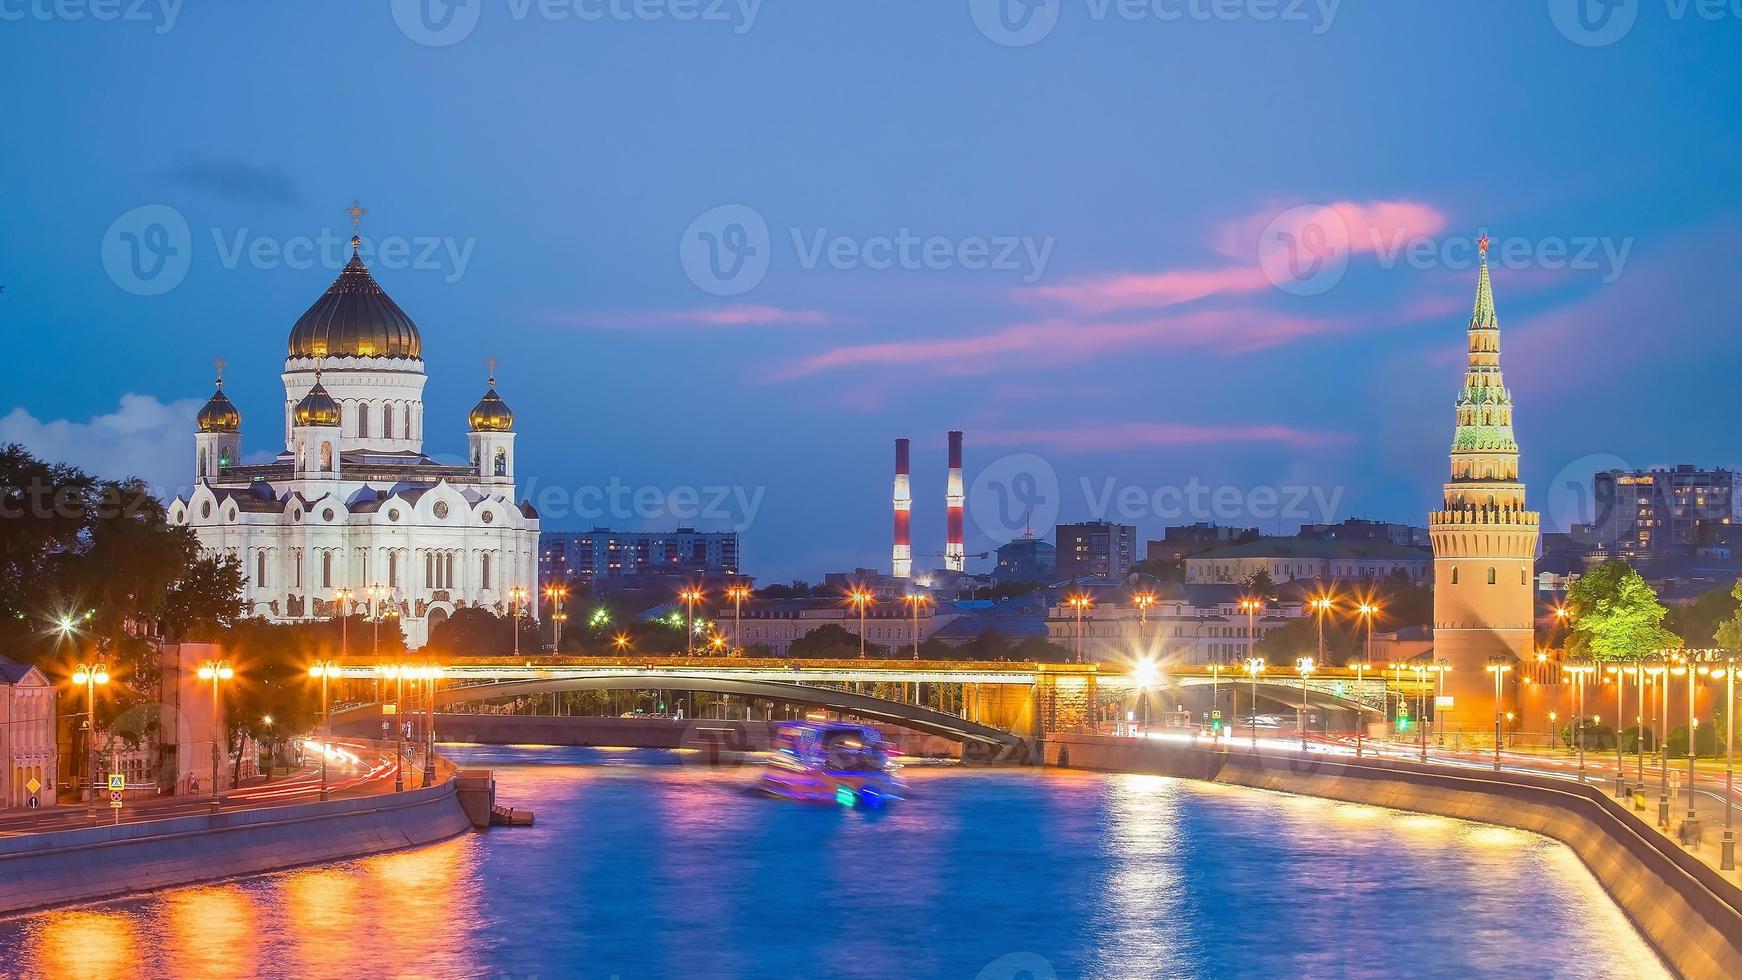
<point>954,553</point>
<point>901,559</point>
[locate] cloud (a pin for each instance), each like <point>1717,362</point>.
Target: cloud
<point>238,180</point>
<point>1152,290</point>
<point>1382,227</point>
<point>1119,436</point>
<point>143,437</point>
<point>728,316</point>
<point>1056,340</point>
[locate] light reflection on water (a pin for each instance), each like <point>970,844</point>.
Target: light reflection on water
<point>650,864</point>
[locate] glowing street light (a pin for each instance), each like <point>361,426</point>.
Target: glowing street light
<point>860,599</point>
<point>1361,667</point>
<point>1254,667</point>
<point>1251,606</point>
<point>90,676</point>
<point>1499,668</point>
<point>345,599</point>
<point>1143,600</point>
<point>1321,605</point>
<point>1080,603</point>
<point>216,671</point>
<point>1305,665</point>
<point>1580,670</point>
<point>556,594</point>
<point>738,593</point>
<point>916,600</point>
<point>516,598</point>
<point>325,670</point>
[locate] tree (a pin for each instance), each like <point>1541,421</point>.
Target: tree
<point>1729,632</point>
<point>1261,586</point>
<point>205,601</point>
<point>1616,615</point>
<point>1162,569</point>
<point>474,631</point>
<point>1698,622</point>
<point>830,641</point>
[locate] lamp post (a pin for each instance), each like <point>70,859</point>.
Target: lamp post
<point>325,669</point>
<point>556,594</point>
<point>1727,850</point>
<point>860,599</point>
<point>516,596</point>
<point>1691,822</point>
<point>1079,603</point>
<point>345,599</point>
<point>1580,670</point>
<point>397,673</point>
<point>1305,666</point>
<point>1499,669</point>
<point>431,674</point>
<point>1143,600</point>
<point>916,600</point>
<point>90,676</point>
<point>1215,698</point>
<point>1659,674</point>
<point>738,593</point>
<point>1254,667</point>
<point>1251,606</point>
<point>1361,667</point>
<point>1421,687</point>
<point>689,597</point>
<point>1321,605</point>
<point>215,671</point>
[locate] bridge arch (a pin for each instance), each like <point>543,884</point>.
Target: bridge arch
<point>920,719</point>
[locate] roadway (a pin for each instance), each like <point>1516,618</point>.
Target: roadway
<point>371,773</point>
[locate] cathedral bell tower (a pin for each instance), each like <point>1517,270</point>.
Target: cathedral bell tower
<point>492,436</point>
<point>314,434</point>
<point>1484,541</point>
<point>218,444</point>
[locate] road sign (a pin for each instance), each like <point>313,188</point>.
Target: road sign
<point>115,800</point>
<point>32,786</point>
<point>1443,701</point>
<point>31,803</point>
<point>117,782</point>
<point>390,709</point>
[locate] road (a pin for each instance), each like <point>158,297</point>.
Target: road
<point>372,773</point>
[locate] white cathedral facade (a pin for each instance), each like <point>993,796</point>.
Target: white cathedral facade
<point>352,506</point>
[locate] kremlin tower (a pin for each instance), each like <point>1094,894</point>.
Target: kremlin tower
<point>1484,540</point>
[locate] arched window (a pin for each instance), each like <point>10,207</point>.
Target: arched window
<point>428,570</point>
<point>223,457</point>
<point>448,571</point>
<point>484,573</point>
<point>326,569</point>
<point>203,470</point>
<point>393,569</point>
<point>362,420</point>
<point>501,462</point>
<point>1523,576</point>
<point>326,456</point>
<point>387,421</point>
<point>408,421</point>
<point>1493,576</point>
<point>1454,575</point>
<point>260,569</point>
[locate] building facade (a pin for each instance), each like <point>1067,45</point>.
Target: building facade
<point>27,736</point>
<point>1484,538</point>
<point>602,554</point>
<point>1295,559</point>
<point>1662,513</point>
<point>1194,624</point>
<point>1094,550</point>
<point>1026,559</point>
<point>351,513</point>
<point>1356,529</point>
<point>778,623</point>
<point>1178,542</point>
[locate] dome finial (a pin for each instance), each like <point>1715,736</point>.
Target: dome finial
<point>356,211</point>
<point>491,363</point>
<point>219,365</point>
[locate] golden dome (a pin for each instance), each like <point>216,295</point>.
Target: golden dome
<point>219,414</point>
<point>491,414</point>
<point>317,407</point>
<point>355,318</point>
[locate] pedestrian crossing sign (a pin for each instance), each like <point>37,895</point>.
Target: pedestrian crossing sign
<point>117,782</point>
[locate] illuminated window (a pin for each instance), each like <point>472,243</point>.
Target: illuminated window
<point>1493,575</point>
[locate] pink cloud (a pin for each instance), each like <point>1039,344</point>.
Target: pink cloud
<point>1382,227</point>
<point>726,316</point>
<point>1111,436</point>
<point>1152,290</point>
<point>1064,339</point>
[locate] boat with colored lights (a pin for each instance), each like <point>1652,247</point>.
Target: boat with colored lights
<point>831,762</point>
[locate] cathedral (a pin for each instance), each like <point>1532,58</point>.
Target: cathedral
<point>352,515</point>
<point>1484,539</point>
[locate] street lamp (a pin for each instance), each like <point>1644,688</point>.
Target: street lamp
<point>689,597</point>
<point>556,594</point>
<point>1251,606</point>
<point>916,600</point>
<point>215,671</point>
<point>1691,823</point>
<point>1727,854</point>
<point>1254,667</point>
<point>90,676</point>
<point>429,674</point>
<point>738,593</point>
<point>1660,676</point>
<point>1143,600</point>
<point>1080,603</point>
<point>1320,606</point>
<point>1146,674</point>
<point>1580,670</point>
<point>860,599</point>
<point>396,673</point>
<point>344,599</point>
<point>325,670</point>
<point>1499,668</point>
<point>1305,665</point>
<point>1360,667</point>
<point>516,596</point>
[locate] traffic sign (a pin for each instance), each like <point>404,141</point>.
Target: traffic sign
<point>115,800</point>
<point>390,709</point>
<point>32,786</point>
<point>31,803</point>
<point>117,782</point>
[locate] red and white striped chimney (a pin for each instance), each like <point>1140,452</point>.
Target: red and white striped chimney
<point>954,553</point>
<point>901,559</point>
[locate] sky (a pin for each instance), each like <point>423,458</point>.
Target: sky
<point>1161,261</point>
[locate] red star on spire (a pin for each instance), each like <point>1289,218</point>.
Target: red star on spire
<point>1482,243</point>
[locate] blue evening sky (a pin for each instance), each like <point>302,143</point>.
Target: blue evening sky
<point>1150,183</point>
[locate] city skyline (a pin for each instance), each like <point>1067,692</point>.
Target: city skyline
<point>1167,352</point>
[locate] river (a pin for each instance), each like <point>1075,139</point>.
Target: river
<point>649,864</point>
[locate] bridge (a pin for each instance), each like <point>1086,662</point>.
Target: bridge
<point>991,703</point>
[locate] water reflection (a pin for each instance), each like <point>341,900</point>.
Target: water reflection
<point>675,869</point>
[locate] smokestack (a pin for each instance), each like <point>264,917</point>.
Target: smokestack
<point>901,559</point>
<point>953,551</point>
